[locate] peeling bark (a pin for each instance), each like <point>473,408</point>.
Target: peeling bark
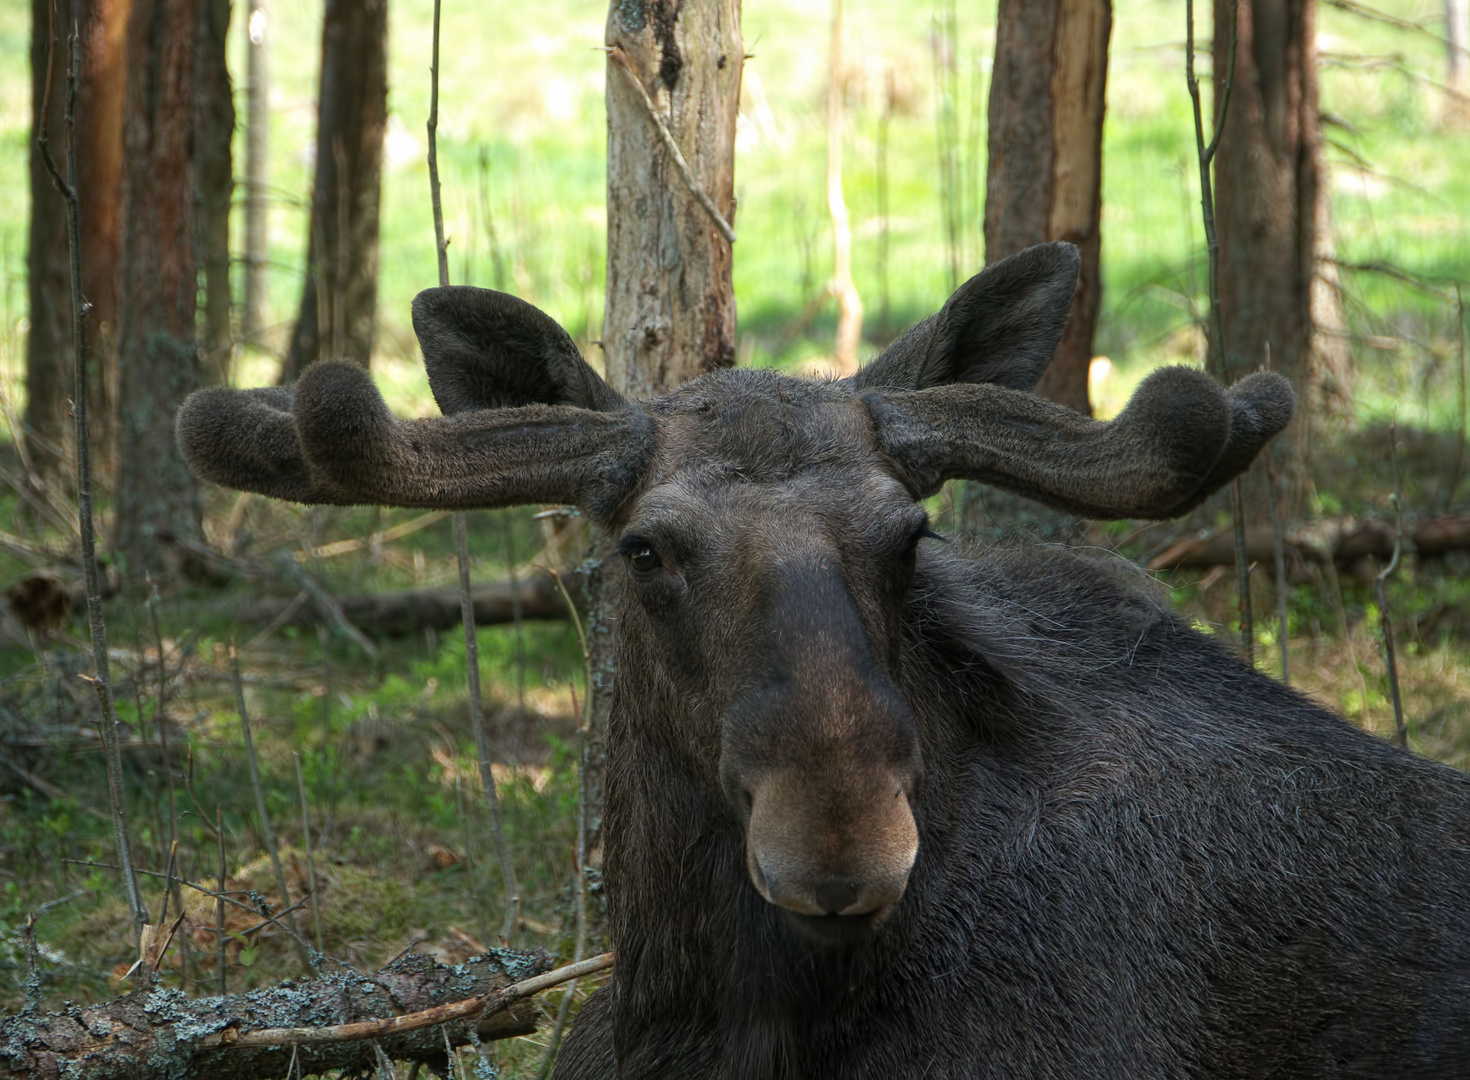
<point>161,1033</point>
<point>1044,177</point>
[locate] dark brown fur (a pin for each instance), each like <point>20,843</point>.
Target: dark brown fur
<point>876,807</point>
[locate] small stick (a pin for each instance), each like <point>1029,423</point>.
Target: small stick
<point>316,908</point>
<point>219,901</point>
<point>158,722</point>
<point>616,54</point>
<point>462,548</point>
<point>1206,154</point>
<point>268,833</point>
<point>1278,553</point>
<point>101,679</point>
<point>477,1007</point>
<point>1449,495</point>
<point>584,731</point>
<point>1378,583</point>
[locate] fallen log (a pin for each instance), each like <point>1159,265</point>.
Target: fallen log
<point>396,614</point>
<point>1345,541</point>
<point>153,1033</point>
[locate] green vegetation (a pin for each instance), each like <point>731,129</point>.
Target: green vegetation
<point>398,825</point>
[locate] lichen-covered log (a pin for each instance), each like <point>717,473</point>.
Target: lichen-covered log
<point>160,1034</point>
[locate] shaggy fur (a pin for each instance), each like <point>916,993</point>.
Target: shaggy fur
<point>1139,858</point>
<point>1135,857</point>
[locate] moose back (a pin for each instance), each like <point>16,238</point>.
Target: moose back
<point>878,807</point>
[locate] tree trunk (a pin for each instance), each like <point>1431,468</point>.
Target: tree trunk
<point>339,301</point>
<point>48,348</point>
<point>1268,182</point>
<point>1044,182</point>
<point>1044,179</point>
<point>157,497</point>
<point>215,117</point>
<point>257,208</point>
<point>103,28</point>
<point>670,301</point>
<point>1457,63</point>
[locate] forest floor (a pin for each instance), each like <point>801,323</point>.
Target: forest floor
<point>393,808</point>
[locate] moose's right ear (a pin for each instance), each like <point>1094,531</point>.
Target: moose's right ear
<point>489,350</point>
<point>1002,326</point>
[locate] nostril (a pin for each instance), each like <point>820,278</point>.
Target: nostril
<point>836,895</point>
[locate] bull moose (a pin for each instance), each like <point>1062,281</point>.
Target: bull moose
<point>879,807</point>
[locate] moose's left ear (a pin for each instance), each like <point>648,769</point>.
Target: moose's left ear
<point>1002,326</point>
<point>489,350</point>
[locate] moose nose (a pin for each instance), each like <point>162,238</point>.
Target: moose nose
<point>835,895</point>
<point>816,851</point>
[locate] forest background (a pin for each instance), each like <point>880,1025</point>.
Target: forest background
<point>363,741</point>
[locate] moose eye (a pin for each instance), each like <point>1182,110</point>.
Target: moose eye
<point>644,559</point>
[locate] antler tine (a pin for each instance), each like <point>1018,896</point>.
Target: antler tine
<point>246,439</point>
<point>474,459</point>
<point>1175,442</point>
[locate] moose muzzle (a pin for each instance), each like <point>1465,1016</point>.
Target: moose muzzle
<point>836,848</point>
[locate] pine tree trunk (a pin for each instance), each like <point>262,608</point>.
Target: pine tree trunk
<point>1044,178</point>
<point>670,301</point>
<point>103,28</point>
<point>48,348</point>
<point>215,120</point>
<point>339,301</point>
<point>157,497</point>
<point>1268,182</point>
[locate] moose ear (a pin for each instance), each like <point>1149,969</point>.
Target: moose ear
<point>1002,326</point>
<point>489,350</point>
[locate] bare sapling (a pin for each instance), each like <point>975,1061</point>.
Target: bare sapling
<point>462,551</point>
<point>101,679</point>
<point>1205,154</point>
<point>1380,579</point>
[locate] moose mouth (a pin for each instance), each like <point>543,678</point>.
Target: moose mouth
<point>839,931</point>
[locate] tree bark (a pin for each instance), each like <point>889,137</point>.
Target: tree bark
<point>1044,178</point>
<point>670,299</point>
<point>670,302</point>
<point>1268,183</point>
<point>257,142</point>
<point>49,347</point>
<point>339,300</point>
<point>215,120</point>
<point>157,497</point>
<point>162,1033</point>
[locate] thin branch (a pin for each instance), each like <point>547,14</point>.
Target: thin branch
<point>616,54</point>
<point>1374,15</point>
<point>1206,154</point>
<point>479,1007</point>
<point>584,733</point>
<point>462,550</point>
<point>100,678</point>
<point>1379,579</point>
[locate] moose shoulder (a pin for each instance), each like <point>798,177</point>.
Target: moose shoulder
<point>877,807</point>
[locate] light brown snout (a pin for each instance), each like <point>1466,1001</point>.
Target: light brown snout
<point>833,844</point>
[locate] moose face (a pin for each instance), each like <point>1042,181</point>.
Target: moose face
<point>768,526</point>
<point>766,564</point>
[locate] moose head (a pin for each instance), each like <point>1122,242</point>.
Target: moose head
<point>768,527</point>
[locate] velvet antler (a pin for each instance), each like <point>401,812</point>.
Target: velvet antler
<point>1180,438</point>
